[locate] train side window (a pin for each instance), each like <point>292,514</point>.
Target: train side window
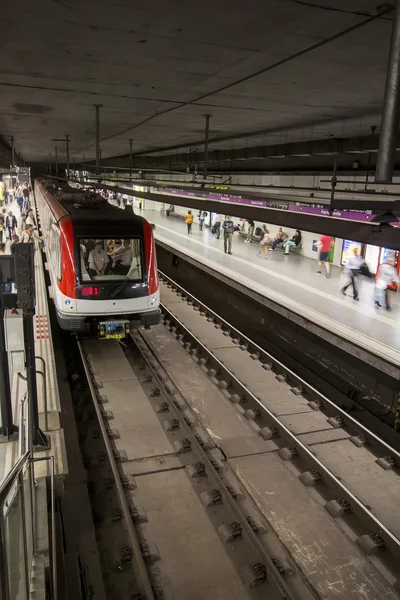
<point>57,256</point>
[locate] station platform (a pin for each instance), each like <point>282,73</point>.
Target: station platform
<point>291,283</point>
<point>47,386</point>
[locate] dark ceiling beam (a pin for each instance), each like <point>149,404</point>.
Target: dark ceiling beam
<point>367,233</point>
<point>322,147</point>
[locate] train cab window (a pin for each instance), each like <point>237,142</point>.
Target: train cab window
<point>110,260</point>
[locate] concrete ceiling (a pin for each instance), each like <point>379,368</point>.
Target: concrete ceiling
<point>157,67</point>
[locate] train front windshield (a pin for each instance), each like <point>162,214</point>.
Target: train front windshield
<point>105,260</point>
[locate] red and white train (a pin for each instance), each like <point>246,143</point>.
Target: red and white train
<point>101,261</point>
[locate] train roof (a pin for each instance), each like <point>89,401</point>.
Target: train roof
<point>80,204</point>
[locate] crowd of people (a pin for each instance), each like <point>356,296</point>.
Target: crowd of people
<point>352,269</point>
<point>21,229</point>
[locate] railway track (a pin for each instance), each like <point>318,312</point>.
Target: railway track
<point>261,565</point>
<point>346,500</point>
<point>221,494</point>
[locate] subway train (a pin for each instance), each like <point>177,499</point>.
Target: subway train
<point>101,262</point>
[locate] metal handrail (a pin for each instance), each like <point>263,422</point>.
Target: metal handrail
<point>12,476</point>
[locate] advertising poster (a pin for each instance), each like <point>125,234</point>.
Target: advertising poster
<point>347,251</point>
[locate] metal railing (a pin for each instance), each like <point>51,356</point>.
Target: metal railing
<point>18,522</point>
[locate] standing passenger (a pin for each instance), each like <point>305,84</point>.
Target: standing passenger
<point>21,224</point>
<point>325,244</point>
<point>228,226</point>
<point>30,219</point>
<point>189,221</point>
<point>98,260</point>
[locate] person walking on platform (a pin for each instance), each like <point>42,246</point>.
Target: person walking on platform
<point>265,241</point>
<point>351,270</point>
<point>386,276</point>
<point>229,227</point>
<point>325,244</point>
<point>250,230</point>
<point>216,226</point>
<point>11,224</point>
<point>202,217</point>
<point>189,221</point>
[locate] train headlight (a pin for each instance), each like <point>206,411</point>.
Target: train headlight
<point>153,299</point>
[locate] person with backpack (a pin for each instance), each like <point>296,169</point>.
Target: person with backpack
<point>229,227</point>
<point>189,221</point>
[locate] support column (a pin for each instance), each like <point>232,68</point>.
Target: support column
<point>49,162</point>
<point>391,107</point>
<point>334,179</point>
<point>56,155</point>
<point>206,145</point>
<point>67,144</point>
<point>7,426</point>
<point>130,158</point>
<point>97,108</point>
<point>13,150</point>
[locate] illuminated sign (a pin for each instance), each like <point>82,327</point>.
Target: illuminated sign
<point>90,291</point>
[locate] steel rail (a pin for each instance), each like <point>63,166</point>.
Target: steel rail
<point>348,420</point>
<point>392,543</point>
<point>141,572</point>
<point>279,580</point>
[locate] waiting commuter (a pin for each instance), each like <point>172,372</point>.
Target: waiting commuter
<point>324,244</point>
<point>250,230</point>
<point>21,224</point>
<point>10,224</point>
<point>266,240</point>
<point>294,241</point>
<point>216,226</point>
<point>387,276</point>
<point>352,269</point>
<point>189,221</point>
<point>280,238</point>
<point>29,235</point>
<point>98,260</point>
<point>30,219</point>
<point>229,227</point>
